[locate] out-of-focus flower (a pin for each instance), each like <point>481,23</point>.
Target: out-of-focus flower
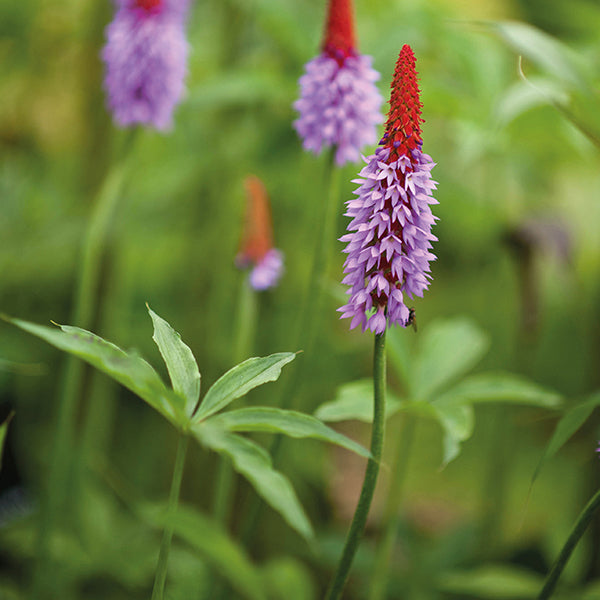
<point>146,61</point>
<point>339,104</point>
<point>390,232</point>
<point>256,248</point>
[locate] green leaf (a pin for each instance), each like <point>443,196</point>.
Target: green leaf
<point>213,544</point>
<point>571,421</point>
<point>238,381</point>
<point>458,422</point>
<point>254,463</point>
<point>354,401</point>
<point>288,422</point>
<point>128,369</point>
<point>3,431</point>
<point>448,349</point>
<point>181,364</point>
<point>287,578</point>
<point>542,49</point>
<point>493,582</point>
<point>500,387</point>
<point>399,351</point>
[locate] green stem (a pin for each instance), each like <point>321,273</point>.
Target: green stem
<point>83,312</point>
<point>244,332</point>
<point>165,546</point>
<point>307,323</point>
<point>368,489</point>
<point>391,513</point>
<point>309,320</point>
<point>585,518</point>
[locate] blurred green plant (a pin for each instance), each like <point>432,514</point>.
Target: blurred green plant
<point>181,406</point>
<point>435,387</point>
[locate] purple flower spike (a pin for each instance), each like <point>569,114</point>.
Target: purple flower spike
<point>390,235</point>
<point>256,248</point>
<point>339,104</point>
<point>146,61</point>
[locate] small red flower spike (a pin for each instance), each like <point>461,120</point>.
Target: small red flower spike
<point>257,238</point>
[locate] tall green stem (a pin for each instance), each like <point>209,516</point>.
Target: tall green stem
<point>585,518</point>
<point>83,312</point>
<point>391,515</point>
<point>165,546</point>
<point>368,489</point>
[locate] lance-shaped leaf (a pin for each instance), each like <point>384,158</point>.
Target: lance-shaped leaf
<point>500,387</point>
<point>544,50</point>
<point>448,349</point>
<point>354,401</point>
<point>457,421</point>
<point>287,422</point>
<point>212,543</point>
<point>127,368</point>
<point>3,430</point>
<point>254,463</point>
<point>571,421</point>
<point>237,382</point>
<point>181,364</point>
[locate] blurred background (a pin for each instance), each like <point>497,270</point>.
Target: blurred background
<point>518,256</point>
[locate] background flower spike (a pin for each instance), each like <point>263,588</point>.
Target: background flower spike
<point>339,104</point>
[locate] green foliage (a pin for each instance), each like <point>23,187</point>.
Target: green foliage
<point>493,582</point>
<point>178,404</point>
<point>128,368</point>
<point>289,422</point>
<point>447,350</point>
<point>570,422</point>
<point>238,381</point>
<point>182,366</point>
<point>3,431</point>
<point>253,462</point>
<point>213,544</point>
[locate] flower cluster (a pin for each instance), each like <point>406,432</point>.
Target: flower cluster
<point>390,232</point>
<point>146,61</point>
<point>257,249</point>
<point>339,104</point>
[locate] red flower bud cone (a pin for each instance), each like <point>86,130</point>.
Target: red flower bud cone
<point>403,125</point>
<point>339,39</point>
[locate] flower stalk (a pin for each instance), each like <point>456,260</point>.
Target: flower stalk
<point>83,314</point>
<point>585,518</point>
<point>165,546</point>
<point>391,513</point>
<point>368,488</point>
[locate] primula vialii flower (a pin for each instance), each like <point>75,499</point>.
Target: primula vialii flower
<point>390,232</point>
<point>146,61</point>
<point>257,249</point>
<point>339,103</point>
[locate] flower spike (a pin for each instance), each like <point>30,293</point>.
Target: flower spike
<point>390,235</point>
<point>256,248</point>
<point>339,104</point>
<point>146,61</point>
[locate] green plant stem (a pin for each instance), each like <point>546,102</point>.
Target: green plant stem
<point>585,518</point>
<point>368,489</point>
<point>391,514</point>
<point>307,323</point>
<point>309,320</point>
<point>83,312</point>
<point>165,546</point>
<point>244,337</point>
